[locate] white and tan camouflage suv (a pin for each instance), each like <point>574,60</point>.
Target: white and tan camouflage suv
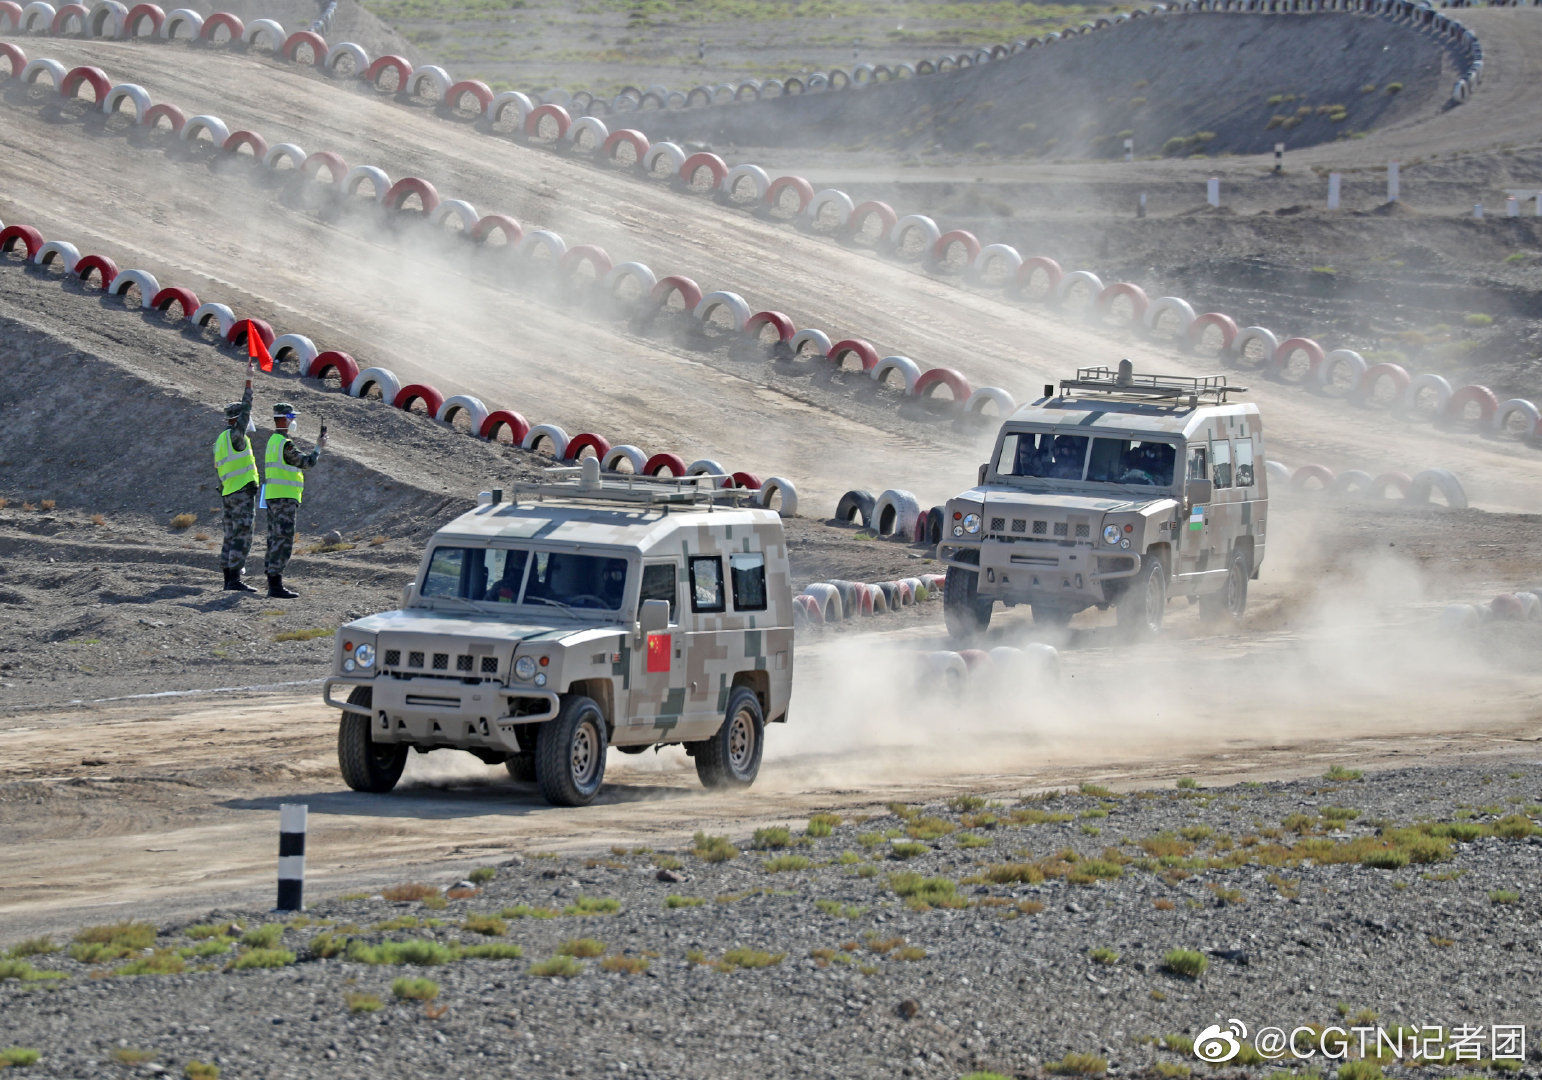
<point>1120,489</point>
<point>582,614</point>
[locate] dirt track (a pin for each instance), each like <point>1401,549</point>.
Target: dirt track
<point>816,282</point>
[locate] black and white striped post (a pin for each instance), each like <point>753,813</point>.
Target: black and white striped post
<point>1279,157</point>
<point>291,856</point>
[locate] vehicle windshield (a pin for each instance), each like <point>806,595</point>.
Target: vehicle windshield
<point>1053,455</point>
<point>528,576</point>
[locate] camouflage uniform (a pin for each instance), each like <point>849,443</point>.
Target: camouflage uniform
<point>283,514</point>
<point>240,506</point>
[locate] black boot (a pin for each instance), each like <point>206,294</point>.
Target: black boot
<point>234,583</point>
<point>276,588</point>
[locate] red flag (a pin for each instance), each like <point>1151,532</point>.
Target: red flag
<point>256,348</point>
<point>658,652</point>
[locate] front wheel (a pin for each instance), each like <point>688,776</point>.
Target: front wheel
<point>1231,600</point>
<point>1143,604</point>
<point>570,753</point>
<point>966,613</point>
<point>365,764</point>
<point>731,757</point>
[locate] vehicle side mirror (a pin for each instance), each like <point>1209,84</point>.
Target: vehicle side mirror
<point>409,593</point>
<point>983,470</point>
<point>1199,491</point>
<point>653,617</point>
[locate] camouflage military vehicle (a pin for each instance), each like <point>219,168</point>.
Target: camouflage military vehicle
<point>582,614</point>
<point>1121,489</point>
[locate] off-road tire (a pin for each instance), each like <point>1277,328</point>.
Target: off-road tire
<point>1144,602</point>
<point>366,766</point>
<point>967,615</point>
<point>570,753</point>
<point>521,767</point>
<point>1051,616</point>
<point>1231,600</point>
<point>731,757</point>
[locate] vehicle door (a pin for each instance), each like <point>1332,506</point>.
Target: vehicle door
<point>1193,526</point>
<point>655,692</point>
<point>710,634</point>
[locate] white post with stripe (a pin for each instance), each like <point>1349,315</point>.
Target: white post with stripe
<point>1335,182</point>
<point>291,856</point>
<point>1392,181</point>
<point>1213,191</point>
<point>1279,157</point>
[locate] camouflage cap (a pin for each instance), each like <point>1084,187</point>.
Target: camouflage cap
<point>233,410</point>
<point>283,411</point>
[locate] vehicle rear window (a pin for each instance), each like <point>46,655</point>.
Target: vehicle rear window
<point>749,580</point>
<point>707,583</point>
<point>1244,448</point>
<point>1220,463</point>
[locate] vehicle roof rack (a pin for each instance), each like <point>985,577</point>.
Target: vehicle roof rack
<point>1124,382</point>
<point>586,483</point>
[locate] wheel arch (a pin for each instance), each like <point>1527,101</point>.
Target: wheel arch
<point>602,692</point>
<point>759,683</point>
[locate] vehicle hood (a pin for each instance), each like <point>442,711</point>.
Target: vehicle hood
<point>422,621</point>
<point>1057,503</point>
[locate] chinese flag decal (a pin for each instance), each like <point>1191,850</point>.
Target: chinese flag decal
<point>658,652</point>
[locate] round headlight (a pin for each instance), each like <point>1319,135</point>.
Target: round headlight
<point>540,680</point>
<point>1110,534</point>
<point>364,655</point>
<point>1125,543</point>
<point>524,667</point>
<point>971,523</point>
<point>348,664</point>
<point>958,530</point>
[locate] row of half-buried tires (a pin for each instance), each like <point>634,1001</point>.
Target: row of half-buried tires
<point>1035,665</point>
<point>774,492</point>
<point>824,603</point>
<point>1523,605</point>
<point>1340,372</point>
<point>1415,489</point>
<point>610,279</point>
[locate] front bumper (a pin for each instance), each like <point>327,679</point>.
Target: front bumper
<point>1027,571</point>
<point>446,712</point>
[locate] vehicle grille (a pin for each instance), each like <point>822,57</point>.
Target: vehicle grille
<point>1019,525</point>
<point>489,665</point>
<point>392,658</point>
<point>998,524</point>
<point>414,659</point>
<point>1083,531</point>
<point>1060,528</point>
<point>1040,528</point>
<point>441,661</point>
<point>463,663</point>
<point>443,665</point>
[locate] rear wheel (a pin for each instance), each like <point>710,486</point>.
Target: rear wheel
<point>365,764</point>
<point>966,613</point>
<point>1231,600</point>
<point>731,757</point>
<point>1143,604</point>
<point>570,753</point>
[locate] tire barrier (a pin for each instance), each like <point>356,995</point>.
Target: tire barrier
<point>625,452</point>
<point>1387,487</point>
<point>302,348</point>
<point>332,361</point>
<point>835,600</point>
<point>895,514</point>
<point>854,505</point>
<point>909,372</point>
<point>148,287</point>
<point>103,267</point>
<point>1523,605</point>
<point>67,254</point>
<point>774,488</point>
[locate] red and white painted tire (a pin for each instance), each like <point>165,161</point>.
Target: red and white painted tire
<point>1375,373</point>
<point>480,92</point>
<point>215,127</point>
<point>866,355</point>
<point>25,235</point>
<point>748,481</point>
<point>732,302</point>
<point>473,407</point>
<point>250,139</point>
<point>629,137</point>
<point>391,61</point>
<point>980,269</point>
<point>346,367</point>
<point>1436,384</point>
<point>552,434</point>
<point>782,324</point>
<point>635,271</point>
<point>982,396</point>
<point>436,78</point>
<point>62,250</point>
<point>1083,278</point>
<point>1522,408</point>
<point>1130,291</point>
<point>1377,489</point>
<point>907,369</point>
<point>813,613</point>
<point>692,166</point>
<point>36,69</point>
<point>77,77</point>
<point>690,292</point>
<point>1481,396</point>
<point>774,488</point>
<point>559,117</point>
<point>381,377</point>
<point>255,29</point>
<point>431,398</point>
<point>896,512</point>
<point>185,299</point>
<point>956,238</point>
<point>241,328</point>
<point>346,50</point>
<point>518,426</point>
<point>1224,323</point>
<point>576,446</point>
<point>170,113</point>
<point>1307,473</point>
<point>829,197</point>
<point>953,379</point>
<point>501,103</point>
<point>710,468</point>
<point>1034,266</point>
<point>828,598</point>
<point>218,21</point>
<point>795,184</point>
<point>513,232</point>
<point>588,134</point>
<point>304,349</point>
<point>659,462</point>
<point>634,456</point>
<point>136,18</point>
<point>182,18</point>
<point>856,221</point>
<point>1279,364</point>
<point>665,154</point>
<point>818,339</point>
<point>101,265</point>
<point>914,223</point>
<point>596,257</point>
<point>15,59</point>
<point>459,209</point>
<point>398,193</point>
<point>144,281</point>
<point>1261,334</point>
<point>1333,362</point>
<point>760,182</point>
<point>134,94</point>
<point>548,241</point>
<point>305,39</point>
<point>1442,479</point>
<point>284,151</point>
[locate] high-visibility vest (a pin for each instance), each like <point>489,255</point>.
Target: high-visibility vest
<point>281,480</point>
<point>237,468</point>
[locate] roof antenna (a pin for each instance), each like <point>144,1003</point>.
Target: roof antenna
<point>1126,373</point>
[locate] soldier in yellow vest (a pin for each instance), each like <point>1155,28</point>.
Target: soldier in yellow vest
<point>236,465</point>
<point>283,472</point>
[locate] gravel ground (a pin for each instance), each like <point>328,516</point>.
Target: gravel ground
<point>863,982</point>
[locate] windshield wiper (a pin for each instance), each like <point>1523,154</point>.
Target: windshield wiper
<point>469,605</point>
<point>548,600</point>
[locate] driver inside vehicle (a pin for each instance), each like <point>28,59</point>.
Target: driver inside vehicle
<point>506,589</point>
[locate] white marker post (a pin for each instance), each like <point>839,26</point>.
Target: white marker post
<point>291,856</point>
<point>1279,157</point>
<point>1140,207</point>
<point>1392,181</point>
<point>1477,210</point>
<point>1129,149</point>
<point>1512,207</point>
<point>1335,181</point>
<point>1213,191</point>
<point>1538,211</point>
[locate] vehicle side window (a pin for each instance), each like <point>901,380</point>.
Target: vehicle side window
<point>1199,463</point>
<point>658,583</point>
<point>706,583</point>
<point>444,571</point>
<point>1245,463</point>
<point>749,580</point>
<point>1220,456</point>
